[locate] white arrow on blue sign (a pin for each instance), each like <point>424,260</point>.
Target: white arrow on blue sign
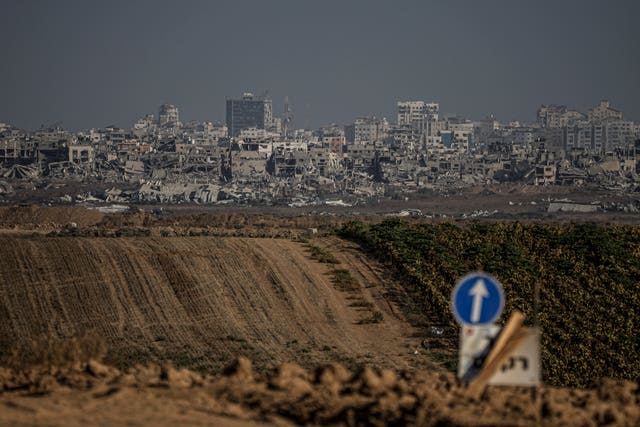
<point>477,299</point>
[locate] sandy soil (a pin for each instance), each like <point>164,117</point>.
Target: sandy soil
<point>198,301</point>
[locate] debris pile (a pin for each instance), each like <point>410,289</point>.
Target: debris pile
<point>329,395</point>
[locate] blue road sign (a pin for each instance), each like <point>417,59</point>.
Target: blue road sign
<point>477,299</point>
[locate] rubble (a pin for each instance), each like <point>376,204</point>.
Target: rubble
<point>21,172</point>
<point>339,166</point>
<point>5,188</point>
<point>111,209</point>
<point>572,207</point>
<point>479,213</point>
<point>157,192</point>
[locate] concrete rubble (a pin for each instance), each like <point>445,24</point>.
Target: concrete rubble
<point>199,163</point>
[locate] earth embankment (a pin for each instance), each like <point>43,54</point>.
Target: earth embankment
<point>198,301</point>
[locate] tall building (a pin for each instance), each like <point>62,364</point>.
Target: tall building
<point>168,115</point>
<point>579,136</point>
<point>557,116</point>
<point>603,112</point>
<point>484,129</point>
<point>369,129</point>
<point>417,114</point>
<point>619,134</point>
<point>249,112</point>
<point>287,118</point>
<point>599,137</point>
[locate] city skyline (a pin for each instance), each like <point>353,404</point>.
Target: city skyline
<point>157,115</point>
<point>94,65</point>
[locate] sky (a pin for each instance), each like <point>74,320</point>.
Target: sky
<point>90,64</point>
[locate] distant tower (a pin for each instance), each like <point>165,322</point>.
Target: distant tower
<point>287,118</point>
<point>168,115</point>
<point>249,112</point>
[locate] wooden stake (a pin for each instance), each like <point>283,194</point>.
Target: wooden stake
<point>513,325</point>
<point>511,336</point>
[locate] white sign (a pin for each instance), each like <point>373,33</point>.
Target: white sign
<point>522,367</point>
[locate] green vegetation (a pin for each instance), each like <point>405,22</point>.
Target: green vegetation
<point>133,232</point>
<point>343,280</point>
<point>589,278</point>
<point>376,317</point>
<point>361,303</point>
<point>322,255</point>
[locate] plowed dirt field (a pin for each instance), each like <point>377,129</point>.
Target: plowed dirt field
<point>201,301</point>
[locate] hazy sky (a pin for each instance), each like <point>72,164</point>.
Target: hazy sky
<point>91,64</point>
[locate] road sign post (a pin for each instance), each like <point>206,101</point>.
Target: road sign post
<point>477,300</point>
<point>490,354</point>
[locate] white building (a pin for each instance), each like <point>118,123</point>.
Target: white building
<point>557,116</point>
<point>579,136</point>
<point>144,123</point>
<point>619,134</point>
<point>523,137</point>
<point>253,134</point>
<point>603,112</point>
<point>599,137</point>
<point>419,115</point>
<point>370,129</point>
<point>168,115</point>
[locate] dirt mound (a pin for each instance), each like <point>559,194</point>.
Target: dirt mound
<point>35,217</point>
<point>233,223</point>
<point>289,394</point>
<point>199,301</point>
<point>128,219</point>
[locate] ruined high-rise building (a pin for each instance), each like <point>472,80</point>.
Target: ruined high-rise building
<point>249,112</point>
<point>168,115</point>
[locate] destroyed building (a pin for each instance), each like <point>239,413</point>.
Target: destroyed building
<point>248,161</point>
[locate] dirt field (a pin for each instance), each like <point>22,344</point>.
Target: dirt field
<point>199,301</point>
<point>179,299</point>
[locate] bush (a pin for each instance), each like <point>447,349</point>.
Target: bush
<point>361,303</point>
<point>344,281</point>
<point>322,255</point>
<point>376,317</point>
<point>133,232</point>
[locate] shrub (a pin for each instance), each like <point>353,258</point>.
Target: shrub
<point>376,317</point>
<point>361,303</point>
<point>343,280</point>
<point>322,255</point>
